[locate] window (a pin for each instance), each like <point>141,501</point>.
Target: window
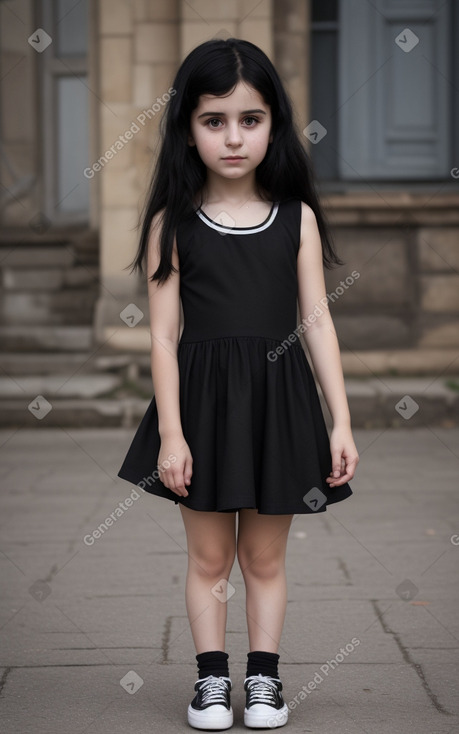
<point>65,113</point>
<point>383,78</point>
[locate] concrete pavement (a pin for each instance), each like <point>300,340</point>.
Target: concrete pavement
<point>93,626</point>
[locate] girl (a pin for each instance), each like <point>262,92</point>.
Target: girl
<point>234,231</point>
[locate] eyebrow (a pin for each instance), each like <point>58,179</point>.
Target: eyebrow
<point>222,114</point>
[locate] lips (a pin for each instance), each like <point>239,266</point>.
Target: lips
<point>234,158</point>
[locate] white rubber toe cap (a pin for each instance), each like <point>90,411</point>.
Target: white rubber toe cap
<point>262,716</point>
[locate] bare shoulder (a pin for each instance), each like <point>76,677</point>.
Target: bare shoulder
<point>308,218</point>
<point>309,229</point>
<point>155,225</point>
<point>154,242</point>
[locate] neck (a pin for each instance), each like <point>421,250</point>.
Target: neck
<point>235,192</point>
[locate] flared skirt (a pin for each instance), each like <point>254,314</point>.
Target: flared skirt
<point>252,418</point>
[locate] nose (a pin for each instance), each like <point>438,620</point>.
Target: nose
<point>233,134</point>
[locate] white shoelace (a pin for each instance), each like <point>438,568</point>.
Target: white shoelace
<point>214,689</point>
<point>263,688</point>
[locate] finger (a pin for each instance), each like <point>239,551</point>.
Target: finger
<point>342,479</point>
<point>351,465</point>
<point>339,482</point>
<point>179,483</point>
<point>336,463</point>
<point>163,478</point>
<point>175,480</point>
<point>188,470</point>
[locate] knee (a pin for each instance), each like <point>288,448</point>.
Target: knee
<point>260,566</point>
<point>213,565</point>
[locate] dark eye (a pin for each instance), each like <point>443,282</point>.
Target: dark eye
<point>213,119</point>
<point>254,119</point>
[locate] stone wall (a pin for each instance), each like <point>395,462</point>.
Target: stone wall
<point>404,247</point>
<point>19,121</point>
<point>406,254</point>
<point>438,286</point>
<point>140,47</point>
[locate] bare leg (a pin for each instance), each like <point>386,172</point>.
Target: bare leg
<point>261,550</point>
<point>211,540</point>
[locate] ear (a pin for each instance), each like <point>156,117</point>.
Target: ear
<point>191,140</point>
<point>271,138</point>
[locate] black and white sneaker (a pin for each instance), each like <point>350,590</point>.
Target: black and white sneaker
<point>211,707</point>
<point>265,707</point>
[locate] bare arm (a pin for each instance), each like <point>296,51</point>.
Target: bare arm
<point>164,309</point>
<point>323,346</point>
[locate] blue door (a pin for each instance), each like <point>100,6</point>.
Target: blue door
<point>384,87</point>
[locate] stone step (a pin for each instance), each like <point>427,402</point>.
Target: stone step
<point>18,255</point>
<point>27,338</point>
<point>73,306</point>
<point>71,413</point>
<point>374,403</point>
<point>55,247</point>
<point>60,386</point>
<point>46,309</point>
<point>66,363</point>
<point>48,279</point>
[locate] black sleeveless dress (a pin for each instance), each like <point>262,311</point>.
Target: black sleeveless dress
<point>249,406</point>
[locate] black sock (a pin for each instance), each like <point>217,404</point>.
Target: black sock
<point>214,662</point>
<point>262,662</point>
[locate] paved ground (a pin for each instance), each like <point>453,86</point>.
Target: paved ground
<point>83,626</point>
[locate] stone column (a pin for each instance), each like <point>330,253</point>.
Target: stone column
<point>250,20</point>
<point>292,53</point>
<point>138,56</point>
<point>19,116</point>
<point>292,61</point>
<point>141,44</point>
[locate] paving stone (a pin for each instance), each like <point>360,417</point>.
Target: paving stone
<point>76,618</point>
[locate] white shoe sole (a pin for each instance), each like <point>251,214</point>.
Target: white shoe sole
<point>213,717</point>
<point>262,716</point>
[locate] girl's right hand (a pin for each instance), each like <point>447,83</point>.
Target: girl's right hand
<point>175,474</point>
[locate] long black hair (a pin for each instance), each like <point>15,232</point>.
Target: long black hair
<point>215,67</point>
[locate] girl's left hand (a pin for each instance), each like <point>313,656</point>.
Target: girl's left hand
<point>344,456</point>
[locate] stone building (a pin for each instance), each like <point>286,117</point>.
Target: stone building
<point>374,87</point>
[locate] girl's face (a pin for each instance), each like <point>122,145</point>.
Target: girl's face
<point>231,133</point>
